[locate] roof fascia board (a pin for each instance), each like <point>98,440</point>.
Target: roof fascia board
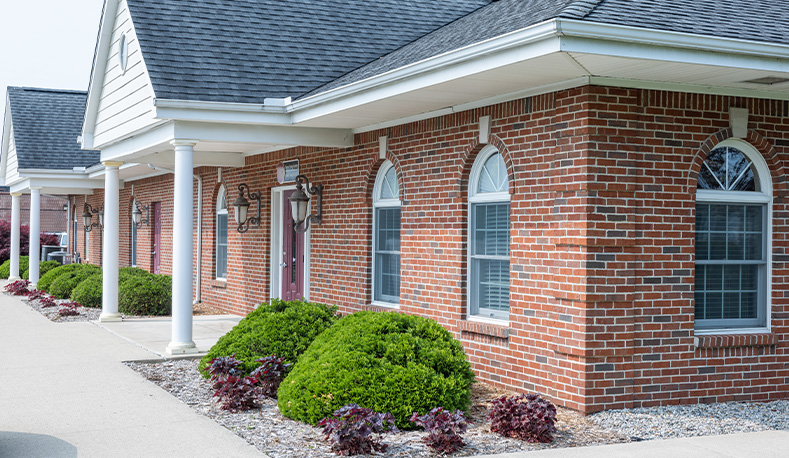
<point>245,133</point>
<point>222,112</point>
<point>73,185</point>
<point>492,53</point>
<point>568,84</point>
<point>6,139</point>
<point>51,173</point>
<point>99,68</point>
<point>691,88</point>
<point>149,138</point>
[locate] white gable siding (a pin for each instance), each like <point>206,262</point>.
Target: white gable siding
<point>126,102</point>
<point>12,164</point>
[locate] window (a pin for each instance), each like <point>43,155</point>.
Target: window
<point>133,238</point>
<point>386,236</point>
<point>732,239</point>
<point>489,236</point>
<point>221,234</point>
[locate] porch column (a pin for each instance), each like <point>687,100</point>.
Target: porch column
<point>111,245</point>
<point>15,217</point>
<point>35,230</point>
<point>183,233</point>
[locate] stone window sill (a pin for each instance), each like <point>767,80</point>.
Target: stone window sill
<point>382,308</point>
<point>219,283</point>
<point>764,339</point>
<point>485,329</point>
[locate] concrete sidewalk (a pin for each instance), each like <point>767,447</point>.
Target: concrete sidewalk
<point>64,392</point>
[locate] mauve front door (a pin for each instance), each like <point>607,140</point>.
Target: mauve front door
<point>292,262</point>
<point>157,237</point>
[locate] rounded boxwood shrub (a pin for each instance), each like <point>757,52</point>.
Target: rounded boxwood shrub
<point>281,328</point>
<point>62,286</point>
<point>388,362</point>
<point>145,295</point>
<point>88,293</point>
<point>5,268</point>
<point>45,280</point>
<point>43,268</point>
<point>125,273</point>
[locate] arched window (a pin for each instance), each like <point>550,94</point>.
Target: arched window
<point>732,238</point>
<point>221,233</point>
<point>489,236</point>
<point>133,237</point>
<point>386,236</point>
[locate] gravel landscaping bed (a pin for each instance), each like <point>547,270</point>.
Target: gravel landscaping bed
<point>85,313</point>
<point>278,436</point>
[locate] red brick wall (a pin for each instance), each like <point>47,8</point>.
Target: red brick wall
<point>603,183</point>
<point>53,218</point>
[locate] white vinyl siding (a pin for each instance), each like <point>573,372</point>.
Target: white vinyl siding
<point>12,172</point>
<point>126,103</point>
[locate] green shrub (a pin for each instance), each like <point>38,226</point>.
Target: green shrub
<point>388,362</point>
<point>5,268</point>
<point>45,280</point>
<point>43,267</point>
<point>279,328</point>
<point>125,273</point>
<point>62,286</point>
<point>88,293</point>
<point>145,295</point>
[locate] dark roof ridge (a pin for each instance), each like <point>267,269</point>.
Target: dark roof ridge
<point>579,9</point>
<point>44,89</point>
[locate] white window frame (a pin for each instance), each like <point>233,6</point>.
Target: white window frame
<point>763,196</point>
<point>221,211</point>
<point>378,202</point>
<point>134,237</point>
<point>475,197</point>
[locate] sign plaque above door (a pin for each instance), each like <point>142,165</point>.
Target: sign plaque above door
<point>287,171</point>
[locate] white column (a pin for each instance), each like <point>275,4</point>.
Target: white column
<point>35,231</point>
<point>183,232</point>
<point>15,217</point>
<point>111,245</point>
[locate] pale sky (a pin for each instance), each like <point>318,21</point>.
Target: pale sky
<point>47,43</point>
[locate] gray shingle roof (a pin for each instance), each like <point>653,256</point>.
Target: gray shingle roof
<point>247,50</point>
<point>757,20</point>
<point>46,124</point>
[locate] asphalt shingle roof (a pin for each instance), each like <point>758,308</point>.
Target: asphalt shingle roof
<point>247,50</point>
<point>46,124</point>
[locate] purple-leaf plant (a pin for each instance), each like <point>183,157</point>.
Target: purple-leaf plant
<point>237,393</point>
<point>18,288</point>
<point>37,294</point>
<point>68,309</point>
<point>525,417</point>
<point>271,373</point>
<point>353,430</point>
<point>224,366</point>
<point>443,429</point>
<point>47,301</point>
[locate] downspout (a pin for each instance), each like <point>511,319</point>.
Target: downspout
<point>199,284</point>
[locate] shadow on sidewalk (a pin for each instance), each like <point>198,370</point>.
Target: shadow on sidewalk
<point>26,445</point>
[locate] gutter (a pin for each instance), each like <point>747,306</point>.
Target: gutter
<point>199,283</point>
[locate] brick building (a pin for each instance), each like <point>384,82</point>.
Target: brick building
<point>588,194</point>
<point>53,214</point>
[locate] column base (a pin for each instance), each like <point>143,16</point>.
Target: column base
<point>110,317</point>
<point>14,278</point>
<point>181,348</point>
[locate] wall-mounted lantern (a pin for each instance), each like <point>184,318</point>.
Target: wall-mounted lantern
<point>299,203</point>
<point>137,214</point>
<point>241,205</point>
<point>87,216</point>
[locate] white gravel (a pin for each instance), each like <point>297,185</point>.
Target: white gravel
<point>695,419</point>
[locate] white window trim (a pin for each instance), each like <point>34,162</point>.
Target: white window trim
<point>474,198</point>
<point>135,237</point>
<point>383,203</point>
<point>221,211</point>
<point>765,196</point>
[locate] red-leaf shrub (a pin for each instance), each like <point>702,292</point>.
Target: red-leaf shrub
<point>443,429</point>
<point>24,240</point>
<point>270,374</point>
<point>224,366</point>
<point>237,393</point>
<point>47,301</point>
<point>351,430</point>
<point>18,288</point>
<point>525,417</point>
<point>68,309</point>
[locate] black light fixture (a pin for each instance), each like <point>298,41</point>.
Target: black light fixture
<point>137,215</point>
<point>65,207</point>
<point>241,205</point>
<point>299,202</point>
<point>87,216</point>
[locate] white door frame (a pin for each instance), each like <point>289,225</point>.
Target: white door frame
<point>278,205</point>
